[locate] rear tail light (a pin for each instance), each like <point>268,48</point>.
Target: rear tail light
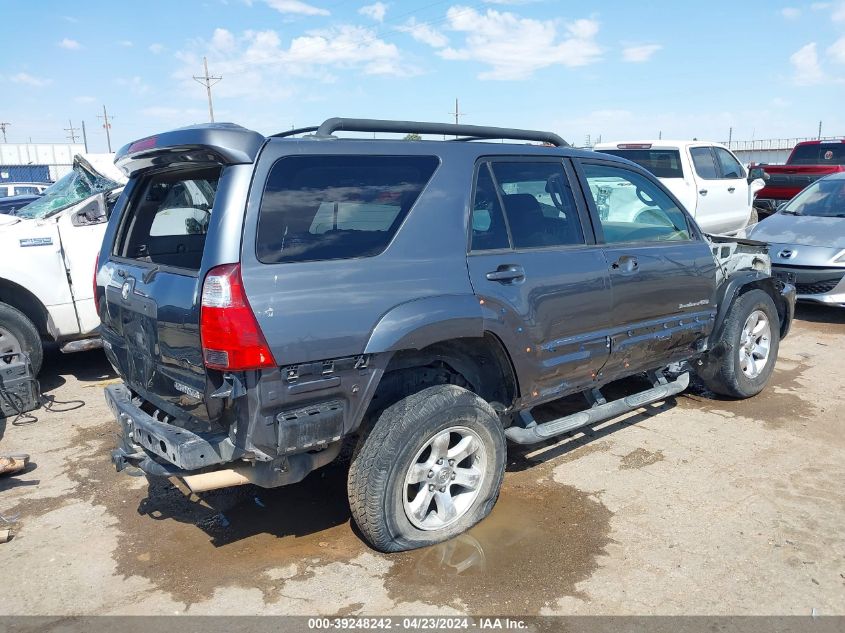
<point>231,337</point>
<point>96,298</point>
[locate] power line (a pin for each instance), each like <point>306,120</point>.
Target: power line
<point>208,81</point>
<point>71,131</point>
<point>3,127</point>
<point>107,126</point>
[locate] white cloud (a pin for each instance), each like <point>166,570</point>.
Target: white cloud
<point>126,43</point>
<point>69,44</point>
<point>30,80</point>
<point>836,51</point>
<point>515,47</point>
<point>805,65</point>
<point>640,53</point>
<point>375,11</point>
<point>71,19</point>
<point>424,33</point>
<point>261,65</point>
<point>296,6</point>
<point>790,13</point>
<point>820,6</point>
<point>84,99</point>
<point>838,14</point>
<point>156,48</point>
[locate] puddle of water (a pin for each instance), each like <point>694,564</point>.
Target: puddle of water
<point>539,542</point>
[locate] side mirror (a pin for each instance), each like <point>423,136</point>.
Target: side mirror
<point>94,212</point>
<point>756,173</point>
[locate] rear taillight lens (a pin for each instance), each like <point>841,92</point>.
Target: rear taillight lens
<point>231,338</point>
<point>96,298</point>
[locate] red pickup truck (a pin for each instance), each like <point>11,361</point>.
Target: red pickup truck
<point>808,162</point>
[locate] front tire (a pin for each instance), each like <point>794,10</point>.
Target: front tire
<point>19,334</point>
<point>751,339</point>
<point>429,469</point>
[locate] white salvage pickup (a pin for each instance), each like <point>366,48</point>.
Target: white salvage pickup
<point>47,256</point>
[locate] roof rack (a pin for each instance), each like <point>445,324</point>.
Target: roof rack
<point>468,132</point>
<point>294,132</point>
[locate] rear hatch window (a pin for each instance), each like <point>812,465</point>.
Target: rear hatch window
<point>169,218</point>
<point>663,163</point>
<point>337,207</point>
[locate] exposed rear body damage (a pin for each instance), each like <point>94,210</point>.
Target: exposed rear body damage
<point>265,299</point>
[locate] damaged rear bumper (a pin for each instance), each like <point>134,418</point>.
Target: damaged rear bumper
<point>204,461</point>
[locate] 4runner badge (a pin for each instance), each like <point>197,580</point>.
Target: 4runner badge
<point>36,241</point>
<point>188,391</point>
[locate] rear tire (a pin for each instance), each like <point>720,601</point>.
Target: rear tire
<point>751,338</point>
<point>19,334</point>
<point>430,468</point>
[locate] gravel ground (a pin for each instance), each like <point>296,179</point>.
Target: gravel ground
<point>695,506</point>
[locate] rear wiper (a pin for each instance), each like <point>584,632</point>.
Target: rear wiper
<point>785,212</point>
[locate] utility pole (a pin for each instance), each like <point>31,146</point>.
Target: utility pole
<point>730,136</point>
<point>820,130</point>
<point>71,131</point>
<point>208,81</point>
<point>107,126</point>
<point>457,113</point>
<point>84,137</point>
<point>3,127</point>
<point>660,135</point>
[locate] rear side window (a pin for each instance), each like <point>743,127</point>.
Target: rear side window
<point>167,220</point>
<point>663,163</point>
<point>539,204</point>
<point>337,207</point>
<point>704,163</point>
<point>818,154</point>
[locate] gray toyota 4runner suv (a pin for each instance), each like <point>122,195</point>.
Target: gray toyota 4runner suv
<point>265,300</point>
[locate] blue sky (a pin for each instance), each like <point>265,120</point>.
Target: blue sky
<point>619,69</point>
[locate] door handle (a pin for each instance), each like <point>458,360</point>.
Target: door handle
<point>731,189</point>
<point>506,273</point>
<point>703,192</point>
<point>626,264</point>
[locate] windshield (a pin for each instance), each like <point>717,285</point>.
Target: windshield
<point>824,198</point>
<point>74,187</point>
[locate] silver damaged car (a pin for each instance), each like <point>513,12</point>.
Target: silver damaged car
<point>807,241</point>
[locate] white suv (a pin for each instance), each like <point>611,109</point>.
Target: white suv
<point>706,177</point>
<point>19,188</point>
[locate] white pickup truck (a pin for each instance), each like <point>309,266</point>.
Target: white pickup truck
<point>47,256</point>
<point>705,177</point>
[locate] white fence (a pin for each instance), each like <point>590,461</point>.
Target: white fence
<point>770,150</point>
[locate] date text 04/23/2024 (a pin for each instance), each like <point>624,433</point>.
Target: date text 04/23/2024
<point>416,623</point>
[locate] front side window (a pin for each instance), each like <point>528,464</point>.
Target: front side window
<point>731,169</point>
<point>167,220</point>
<point>539,204</point>
<point>632,208</point>
<point>704,163</point>
<point>337,207</point>
<point>19,191</point>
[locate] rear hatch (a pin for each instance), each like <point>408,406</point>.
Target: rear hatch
<point>185,192</point>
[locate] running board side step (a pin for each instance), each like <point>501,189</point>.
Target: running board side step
<point>533,432</point>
